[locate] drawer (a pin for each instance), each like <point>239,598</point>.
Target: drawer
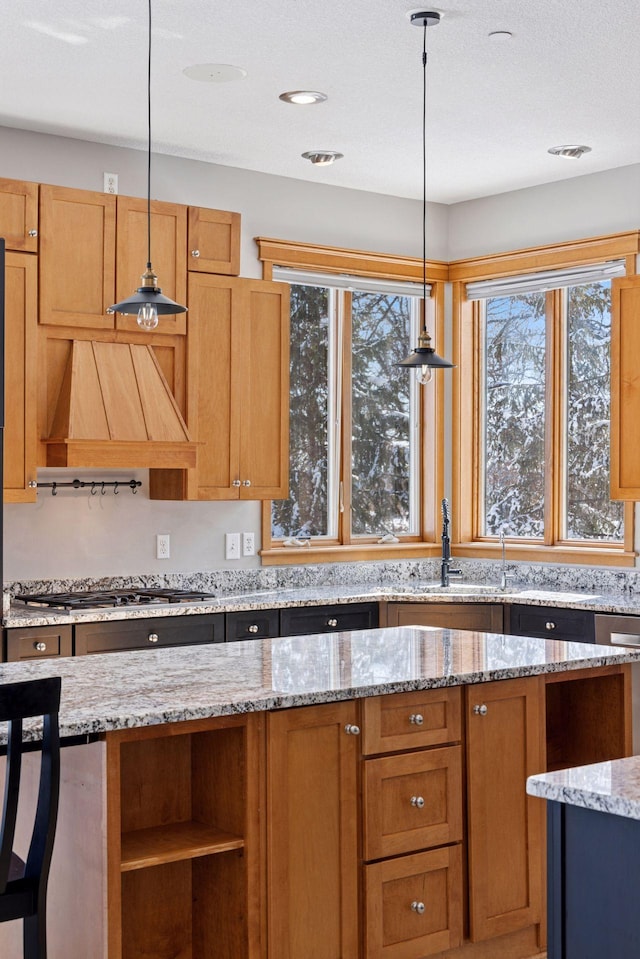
<point>414,905</point>
<point>411,720</point>
<point>259,624</point>
<point>43,642</point>
<point>576,625</point>
<point>148,633</point>
<point>327,619</point>
<point>412,801</point>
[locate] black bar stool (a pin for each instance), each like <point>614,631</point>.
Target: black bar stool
<point>23,884</point>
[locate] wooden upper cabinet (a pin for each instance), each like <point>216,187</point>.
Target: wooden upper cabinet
<point>505,745</point>
<point>77,257</point>
<point>20,434</point>
<point>214,241</point>
<point>625,388</point>
<point>168,256</point>
<point>19,215</point>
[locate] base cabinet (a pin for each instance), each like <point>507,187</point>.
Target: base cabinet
<point>487,617</point>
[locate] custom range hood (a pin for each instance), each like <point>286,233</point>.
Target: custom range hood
<point>115,409</point>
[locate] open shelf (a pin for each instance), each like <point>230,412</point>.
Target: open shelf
<point>179,840</point>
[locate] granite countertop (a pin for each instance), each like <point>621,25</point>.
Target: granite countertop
<point>610,787</point>
<point>420,592</point>
<point>121,690</point>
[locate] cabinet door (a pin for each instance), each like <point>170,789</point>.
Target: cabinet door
<point>168,255</point>
<point>313,833</point>
<point>214,241</point>
<point>484,616</point>
<point>625,388</point>
<point>77,257</point>
<point>505,744</point>
<point>20,435</point>
<point>19,215</point>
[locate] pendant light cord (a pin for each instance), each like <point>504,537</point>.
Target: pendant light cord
<point>424,177</point>
<point>149,147</point>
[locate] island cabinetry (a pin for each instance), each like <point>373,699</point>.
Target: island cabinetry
<point>412,824</point>
<point>185,850</point>
<point>19,215</point>
<point>214,241</point>
<point>480,616</point>
<point>313,821</point>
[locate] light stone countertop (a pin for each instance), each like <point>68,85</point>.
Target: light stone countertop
<point>20,615</point>
<point>144,688</point>
<point>610,787</point>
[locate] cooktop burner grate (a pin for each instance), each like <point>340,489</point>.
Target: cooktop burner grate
<point>100,599</point>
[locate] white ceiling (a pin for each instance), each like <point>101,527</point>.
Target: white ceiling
<point>570,74</point>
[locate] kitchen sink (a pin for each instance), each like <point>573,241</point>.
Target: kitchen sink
<point>466,589</point>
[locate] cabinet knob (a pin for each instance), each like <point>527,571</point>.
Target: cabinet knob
<point>246,482</point>
<point>332,622</point>
<point>417,801</point>
<point>236,483</point>
<point>418,907</point>
<point>252,629</point>
<point>33,232</point>
<point>195,253</point>
<point>480,710</point>
<point>416,719</point>
<point>153,637</point>
<point>33,484</point>
<point>549,625</point>
<point>41,647</point>
<point>352,730</point>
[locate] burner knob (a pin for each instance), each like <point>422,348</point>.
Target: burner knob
<point>153,637</point>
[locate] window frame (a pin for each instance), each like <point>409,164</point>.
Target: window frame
<point>377,266</point>
<point>467,419</point>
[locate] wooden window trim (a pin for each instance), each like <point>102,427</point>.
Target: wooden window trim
<point>380,266</point>
<point>467,411</point>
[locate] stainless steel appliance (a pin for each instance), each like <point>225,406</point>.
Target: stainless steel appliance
<point>109,598</point>
<point>614,630</point>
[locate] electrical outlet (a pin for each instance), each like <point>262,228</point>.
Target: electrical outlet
<point>232,545</point>
<point>162,546</point>
<point>248,544</point>
<point>111,183</point>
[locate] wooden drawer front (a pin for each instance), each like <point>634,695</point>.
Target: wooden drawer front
<point>41,643</point>
<point>148,633</point>
<point>412,801</point>
<point>328,619</point>
<point>571,624</point>
<point>397,927</point>
<point>411,720</point>
<point>260,624</point>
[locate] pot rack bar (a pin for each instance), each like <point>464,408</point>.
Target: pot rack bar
<point>96,486</point>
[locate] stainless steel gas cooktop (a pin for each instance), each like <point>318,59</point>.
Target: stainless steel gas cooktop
<point>105,599</point>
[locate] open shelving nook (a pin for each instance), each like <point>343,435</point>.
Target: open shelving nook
<point>185,859</point>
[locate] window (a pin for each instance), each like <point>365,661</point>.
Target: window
<point>536,348</point>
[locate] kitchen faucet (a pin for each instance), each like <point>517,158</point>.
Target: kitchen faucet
<point>505,576</point>
<point>445,565</point>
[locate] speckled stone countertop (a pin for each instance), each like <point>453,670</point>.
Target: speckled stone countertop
<point>122,690</point>
<point>610,787</point>
<point>420,592</point>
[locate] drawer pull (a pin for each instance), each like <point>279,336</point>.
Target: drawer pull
<point>418,907</point>
<point>153,637</point>
<point>549,625</point>
<point>352,730</point>
<point>41,647</point>
<point>417,801</point>
<point>252,629</point>
<point>416,719</point>
<point>332,622</point>
<point>480,710</point>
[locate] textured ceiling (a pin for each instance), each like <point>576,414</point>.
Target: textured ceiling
<point>570,74</point>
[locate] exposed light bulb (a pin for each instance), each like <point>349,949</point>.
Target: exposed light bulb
<point>148,316</point>
<point>424,374</point>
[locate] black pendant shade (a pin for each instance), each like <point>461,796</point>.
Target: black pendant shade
<point>148,294</point>
<point>425,356</point>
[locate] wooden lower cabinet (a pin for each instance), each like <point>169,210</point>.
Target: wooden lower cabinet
<point>487,617</point>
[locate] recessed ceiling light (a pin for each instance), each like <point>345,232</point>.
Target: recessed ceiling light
<point>322,157</point>
<point>303,97</point>
<point>214,72</point>
<point>500,35</point>
<point>569,151</point>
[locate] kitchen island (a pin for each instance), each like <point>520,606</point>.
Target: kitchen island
<point>304,796</point>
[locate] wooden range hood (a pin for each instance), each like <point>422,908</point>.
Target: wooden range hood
<point>115,409</point>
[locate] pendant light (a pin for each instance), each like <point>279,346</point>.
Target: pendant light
<point>148,301</point>
<point>424,358</point>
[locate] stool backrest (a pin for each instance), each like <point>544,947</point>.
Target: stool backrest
<point>19,701</point>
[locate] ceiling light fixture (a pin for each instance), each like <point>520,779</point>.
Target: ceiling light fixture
<point>569,151</point>
<point>322,157</point>
<point>148,301</point>
<point>424,358</point>
<point>303,97</point>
